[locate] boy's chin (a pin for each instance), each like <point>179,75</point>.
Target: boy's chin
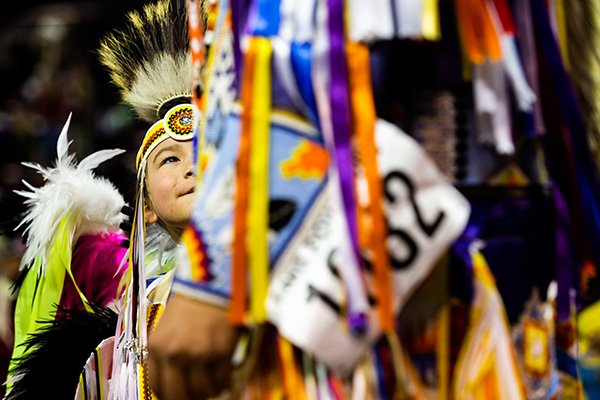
<point>186,205</point>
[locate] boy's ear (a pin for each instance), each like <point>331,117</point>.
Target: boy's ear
<point>150,216</point>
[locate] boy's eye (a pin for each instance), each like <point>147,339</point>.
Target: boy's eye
<point>170,159</point>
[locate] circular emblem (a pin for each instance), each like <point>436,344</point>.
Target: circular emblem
<point>178,122</point>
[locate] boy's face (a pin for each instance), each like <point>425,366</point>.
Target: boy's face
<point>170,181</point>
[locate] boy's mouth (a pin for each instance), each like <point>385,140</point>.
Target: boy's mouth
<point>189,191</point>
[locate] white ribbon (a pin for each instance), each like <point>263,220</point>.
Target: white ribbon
<point>370,20</point>
<point>492,107</point>
<point>409,15</point>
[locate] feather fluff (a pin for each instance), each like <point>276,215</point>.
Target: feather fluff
<point>93,203</point>
<point>148,59</point>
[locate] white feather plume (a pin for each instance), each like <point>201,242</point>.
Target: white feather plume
<point>93,203</point>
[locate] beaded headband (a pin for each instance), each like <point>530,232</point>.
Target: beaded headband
<point>176,124</point>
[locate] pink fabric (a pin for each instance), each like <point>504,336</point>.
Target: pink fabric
<point>95,266</point>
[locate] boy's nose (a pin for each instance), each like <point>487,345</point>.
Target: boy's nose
<point>190,171</point>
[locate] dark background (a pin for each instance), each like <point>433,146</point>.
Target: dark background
<point>48,68</point>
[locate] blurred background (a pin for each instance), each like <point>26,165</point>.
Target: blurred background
<point>49,68</point>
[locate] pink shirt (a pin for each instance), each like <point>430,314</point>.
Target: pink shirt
<point>97,269</point>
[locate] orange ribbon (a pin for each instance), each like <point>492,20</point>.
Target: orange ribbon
<point>293,384</point>
<point>239,261</point>
<point>364,118</point>
<point>480,37</point>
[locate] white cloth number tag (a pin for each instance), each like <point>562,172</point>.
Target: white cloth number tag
<point>425,215</point>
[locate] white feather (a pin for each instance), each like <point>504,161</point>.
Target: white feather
<point>97,158</point>
<point>32,165</point>
<point>62,146</point>
<point>93,203</point>
<point>29,186</point>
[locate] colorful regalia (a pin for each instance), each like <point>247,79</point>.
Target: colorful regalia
<point>320,220</point>
<point>362,227</point>
<point>70,274</point>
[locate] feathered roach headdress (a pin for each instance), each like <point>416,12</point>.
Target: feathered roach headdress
<point>149,60</point>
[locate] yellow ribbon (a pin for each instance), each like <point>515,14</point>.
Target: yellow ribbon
<point>430,20</point>
<point>258,200</point>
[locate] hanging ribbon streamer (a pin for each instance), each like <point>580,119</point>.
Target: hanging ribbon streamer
<point>338,140</point>
<point>292,56</point>
<point>482,44</point>
<point>322,382</point>
<point>512,63</point>
<point>384,19</point>
<point>527,45</point>
<point>292,379</point>
<point>282,56</point>
<point>561,30</point>
<point>408,383</point>
<point>321,83</point>
<point>139,305</point>
<point>258,201</point>
<point>238,15</point>
<point>310,382</point>
<point>370,20</point>
<point>197,54</point>
<point>130,349</point>
<point>239,265</point>
<point>341,118</point>
<point>443,352</point>
<point>430,20</point>
<point>479,35</point>
<point>409,16</point>
<point>564,257</point>
<point>363,109</point>
<point>416,19</point>
<point>491,105</point>
<point>251,211</point>
<point>504,16</point>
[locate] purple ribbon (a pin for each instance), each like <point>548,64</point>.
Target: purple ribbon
<point>239,10</point>
<point>339,98</point>
<point>565,265</point>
